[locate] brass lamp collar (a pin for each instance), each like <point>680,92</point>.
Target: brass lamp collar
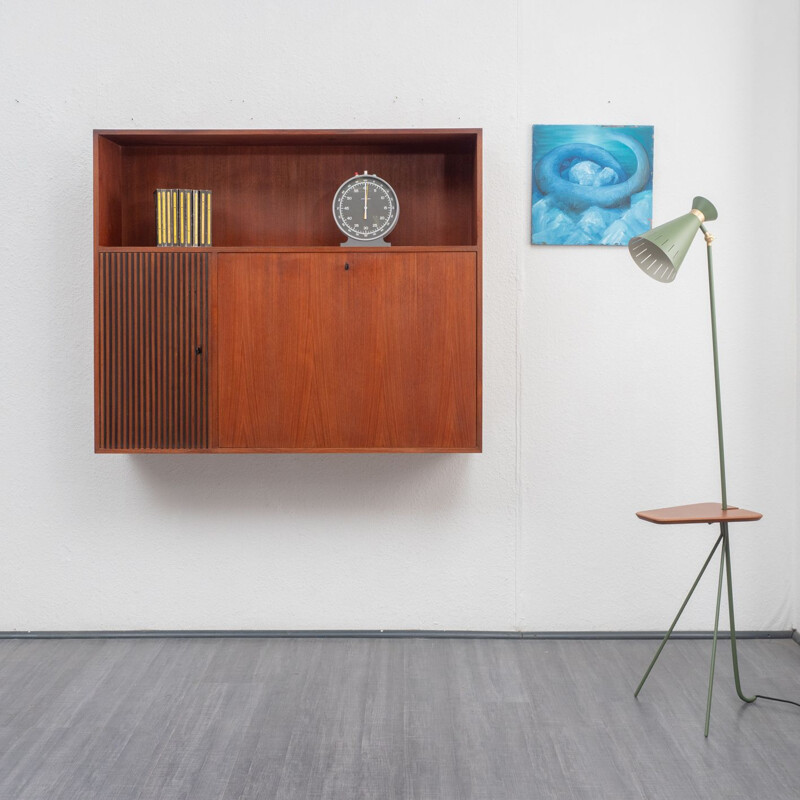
<point>708,237</point>
<point>699,214</point>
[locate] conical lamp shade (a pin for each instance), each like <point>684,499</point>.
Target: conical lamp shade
<point>661,251</point>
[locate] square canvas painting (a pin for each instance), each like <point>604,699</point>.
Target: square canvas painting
<point>592,184</point>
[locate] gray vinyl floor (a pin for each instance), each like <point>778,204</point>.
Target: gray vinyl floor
<point>444,719</point>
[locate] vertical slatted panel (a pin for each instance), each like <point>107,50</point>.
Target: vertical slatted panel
<point>152,383</point>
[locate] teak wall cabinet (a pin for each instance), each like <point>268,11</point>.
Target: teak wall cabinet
<point>276,339</point>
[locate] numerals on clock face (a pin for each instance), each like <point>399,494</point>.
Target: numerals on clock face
<point>365,207</point>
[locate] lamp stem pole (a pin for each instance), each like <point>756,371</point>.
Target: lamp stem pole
<point>709,239</point>
<point>725,558</point>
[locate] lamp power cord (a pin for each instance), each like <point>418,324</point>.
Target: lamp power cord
<point>777,700</point>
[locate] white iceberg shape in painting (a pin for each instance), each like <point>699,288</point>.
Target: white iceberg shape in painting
<point>588,173</point>
<point>634,222</point>
<point>594,221</point>
<point>549,222</point>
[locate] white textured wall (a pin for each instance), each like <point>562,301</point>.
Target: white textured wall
<point>796,538</point>
<point>616,370</point>
<point>598,397</point>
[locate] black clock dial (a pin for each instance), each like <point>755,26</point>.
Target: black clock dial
<point>365,207</point>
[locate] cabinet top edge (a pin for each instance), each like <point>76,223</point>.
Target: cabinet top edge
<point>246,136</point>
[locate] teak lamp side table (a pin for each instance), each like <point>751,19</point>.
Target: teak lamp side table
<point>709,513</point>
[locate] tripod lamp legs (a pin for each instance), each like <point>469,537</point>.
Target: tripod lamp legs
<point>724,570</point>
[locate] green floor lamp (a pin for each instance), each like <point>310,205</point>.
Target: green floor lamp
<point>659,253</point>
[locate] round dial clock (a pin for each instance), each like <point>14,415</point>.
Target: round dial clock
<point>365,209</point>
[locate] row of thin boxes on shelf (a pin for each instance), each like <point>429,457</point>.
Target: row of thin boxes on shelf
<point>183,217</point>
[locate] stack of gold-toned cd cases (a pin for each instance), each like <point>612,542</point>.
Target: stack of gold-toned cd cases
<point>183,217</point>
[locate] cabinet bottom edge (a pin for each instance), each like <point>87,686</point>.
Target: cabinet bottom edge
<point>282,450</point>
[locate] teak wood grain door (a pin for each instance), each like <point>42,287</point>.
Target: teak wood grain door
<point>350,350</point>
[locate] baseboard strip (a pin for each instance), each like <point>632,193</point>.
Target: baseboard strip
<point>389,634</point>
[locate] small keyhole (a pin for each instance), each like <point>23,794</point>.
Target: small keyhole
<point>346,265</point>
<point>198,350</point>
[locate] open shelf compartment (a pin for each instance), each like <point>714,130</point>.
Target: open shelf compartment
<point>275,188</point>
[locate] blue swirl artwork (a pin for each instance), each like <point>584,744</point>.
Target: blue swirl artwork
<point>592,184</point>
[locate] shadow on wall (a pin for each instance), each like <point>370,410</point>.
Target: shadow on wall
<point>326,483</point>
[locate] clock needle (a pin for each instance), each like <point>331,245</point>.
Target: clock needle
<point>366,192</point>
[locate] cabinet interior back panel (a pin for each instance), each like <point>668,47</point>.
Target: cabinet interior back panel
<point>282,195</point>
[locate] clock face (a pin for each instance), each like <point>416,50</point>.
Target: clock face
<point>365,207</point>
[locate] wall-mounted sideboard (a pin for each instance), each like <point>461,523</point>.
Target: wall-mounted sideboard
<point>277,339</point>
